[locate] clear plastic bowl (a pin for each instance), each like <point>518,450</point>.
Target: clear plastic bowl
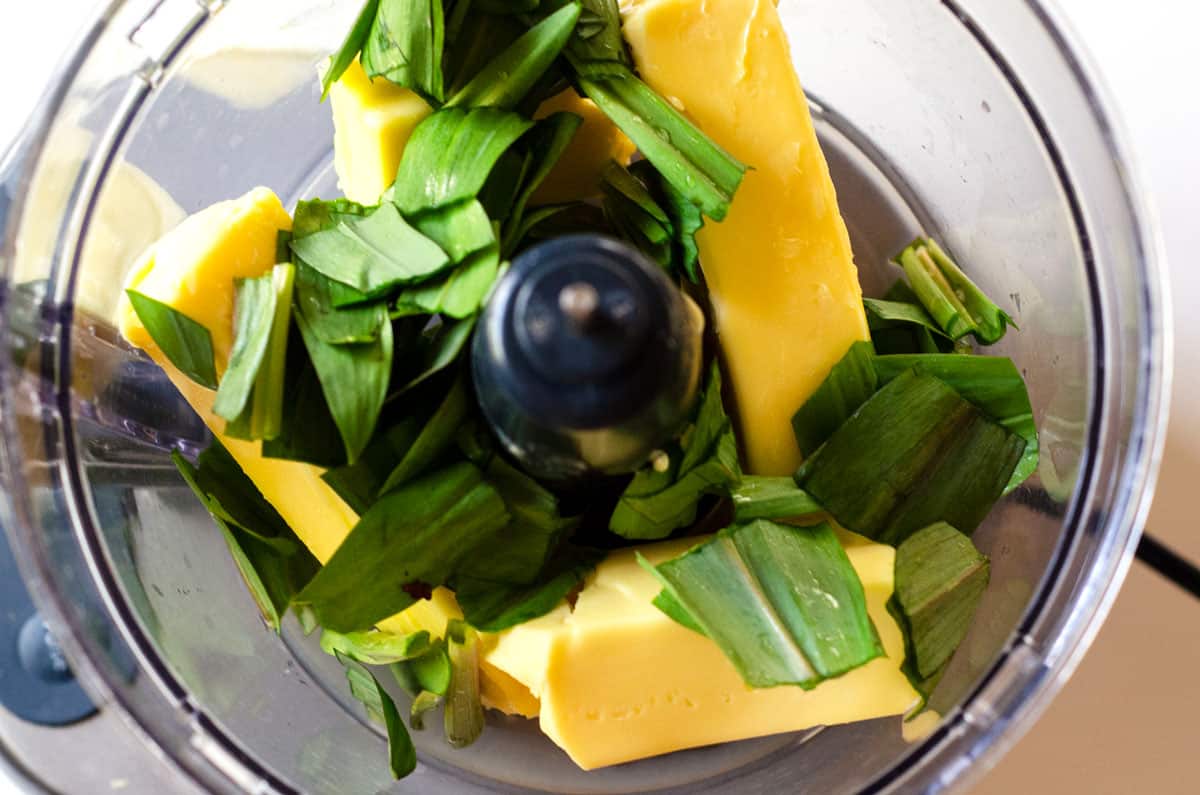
<point>973,120</point>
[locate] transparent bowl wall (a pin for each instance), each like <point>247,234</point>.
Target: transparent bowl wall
<point>972,120</point>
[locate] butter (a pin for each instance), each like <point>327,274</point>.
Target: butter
<point>624,682</point>
<point>781,275</point>
<point>372,121</point>
<point>578,172</point>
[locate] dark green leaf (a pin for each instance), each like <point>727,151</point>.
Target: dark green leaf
<point>699,169</point>
<point>354,380</point>
<point>405,46</point>
<point>547,141</point>
<point>434,439</point>
<point>783,603</point>
<point>307,430</point>
<point>686,221</point>
<point>438,349</point>
<point>495,606</point>
<point>402,756</point>
<point>185,343</point>
<point>915,453</point>
<point>635,214</point>
<point>374,647</point>
<point>464,710</point>
<point>771,498</point>
<point>992,383</point>
<point>270,386</point>
<point>450,155</point>
<point>424,703</point>
<point>319,215</point>
<point>500,191</point>
<point>358,484</point>
<point>850,384</point>
<point>417,534</point>
<point>953,300</point>
<point>474,39</point>
<point>372,254</point>
<point>506,80</point>
<point>340,61</point>
<point>315,299</point>
<point>460,229</point>
<point>940,580</point>
<point>253,317</point>
<point>274,564</point>
<point>597,38</point>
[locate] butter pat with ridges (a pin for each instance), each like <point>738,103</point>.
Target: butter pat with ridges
<point>624,682</point>
<point>784,288</point>
<point>372,122</point>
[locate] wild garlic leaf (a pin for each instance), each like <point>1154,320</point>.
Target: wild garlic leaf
<point>315,299</point>
<point>459,229</point>
<point>307,430</point>
<point>992,383</point>
<point>185,343</point>
<point>952,299</point>
<point>779,499</point>
<point>783,603</point>
<point>374,253</point>
<point>374,647</point>
<point>505,81</point>
<point>253,317</point>
<point>438,349</point>
<point>358,484</point>
<point>932,456</point>
<point>547,142</point>
<point>406,44</point>
<point>417,534</point>
<point>436,436</point>
<point>450,155</point>
<point>850,383</point>
<point>356,37</point>
<point>464,709</point>
<point>424,703</point>
<point>402,755</point>
<point>940,580</point>
<point>496,606</point>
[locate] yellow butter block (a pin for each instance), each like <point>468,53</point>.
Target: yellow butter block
<point>372,122</point>
<point>624,682</point>
<point>597,142</point>
<point>780,271</point>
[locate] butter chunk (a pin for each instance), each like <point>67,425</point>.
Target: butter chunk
<point>598,141</point>
<point>781,275</point>
<point>624,682</point>
<point>372,122</point>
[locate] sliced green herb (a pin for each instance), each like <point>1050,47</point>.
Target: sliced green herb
<point>940,580</point>
<point>495,606</point>
<point>274,564</point>
<point>415,535</point>
<point>374,647</point>
<point>405,45</point>
<point>505,81</point>
<point>319,215</point>
<point>402,755</point>
<point>698,168</point>
<point>185,343</point>
<point>635,214</point>
<point>992,383</point>
<point>686,221</point>
<point>851,382</point>
<point>758,497</point>
<point>450,155</point>
<point>439,348</point>
<point>597,40</point>
<point>464,710</point>
<point>460,229</point>
<point>783,603</point>
<point>340,61</point>
<point>677,612</point>
<point>901,327</point>
<point>953,300</point>
<point>424,703</point>
<point>374,253</point>
<point>547,141</point>
<point>315,298</point>
<point>268,396</point>
<point>254,315</point>
<point>307,431</point>
<point>474,39</point>
<point>435,437</point>
<point>358,484</point>
<point>915,453</point>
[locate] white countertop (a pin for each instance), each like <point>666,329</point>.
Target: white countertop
<point>1117,727</point>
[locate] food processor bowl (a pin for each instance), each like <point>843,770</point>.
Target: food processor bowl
<point>975,121</point>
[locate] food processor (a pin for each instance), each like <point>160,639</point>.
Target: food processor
<point>974,121</point>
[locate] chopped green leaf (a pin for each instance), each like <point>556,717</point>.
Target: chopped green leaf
<point>902,327</point>
<point>374,647</point>
<point>354,380</point>
<point>464,710</point>
<point>953,300</point>
<point>253,316</point>
<point>783,603</point>
<point>940,580</point>
<point>315,299</point>
<point>274,564</point>
<point>474,39</point>
<point>460,294</point>
<point>758,497</point>
<point>424,703</point>
<point>307,431</point>
<point>547,141</point>
<point>686,221</point>
<point>402,756</point>
<point>435,438</point>
<point>850,384</point>
<point>635,214</point>
<point>495,606</point>
<point>450,155</point>
<point>340,61</point>
<point>267,409</point>
<point>416,534</point>
<point>432,670</point>
<point>405,45</point>
<point>460,229</point>
<point>439,349</point>
<point>185,343</point>
<point>319,215</point>
<point>506,80</point>
<point>358,484</point>
<point>992,383</point>
<point>676,612</point>
<point>374,253</point>
<point>597,41</point>
<point>699,169</point>
<point>915,453</point>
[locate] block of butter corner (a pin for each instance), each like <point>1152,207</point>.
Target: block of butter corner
<point>781,276</point>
